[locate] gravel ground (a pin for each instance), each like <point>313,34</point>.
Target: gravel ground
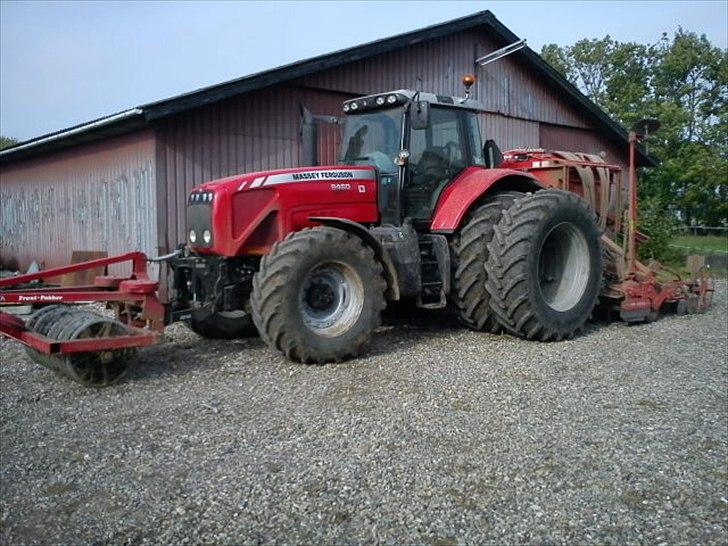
<point>439,436</point>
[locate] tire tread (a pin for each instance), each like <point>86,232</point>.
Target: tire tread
<point>507,280</point>
<point>269,283</point>
<point>469,256</point>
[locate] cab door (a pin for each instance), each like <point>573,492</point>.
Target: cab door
<point>438,153</point>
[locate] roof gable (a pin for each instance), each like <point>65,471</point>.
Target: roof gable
<point>150,112</point>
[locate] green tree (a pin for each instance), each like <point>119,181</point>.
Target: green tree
<point>6,142</point>
<point>683,82</point>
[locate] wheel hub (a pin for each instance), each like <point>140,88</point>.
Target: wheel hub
<point>563,267</point>
<point>331,299</point>
<point>321,295</point>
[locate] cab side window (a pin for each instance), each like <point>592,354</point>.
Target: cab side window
<point>436,157</point>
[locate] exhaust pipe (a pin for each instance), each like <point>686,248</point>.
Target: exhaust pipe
<point>309,135</point>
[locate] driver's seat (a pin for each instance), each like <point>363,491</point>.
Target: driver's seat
<point>433,164</point>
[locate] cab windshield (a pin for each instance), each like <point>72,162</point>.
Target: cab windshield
<point>372,139</point>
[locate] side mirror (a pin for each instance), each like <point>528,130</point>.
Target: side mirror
<point>493,155</point>
<point>420,115</point>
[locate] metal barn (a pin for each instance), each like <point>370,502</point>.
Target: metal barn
<point>120,183</point>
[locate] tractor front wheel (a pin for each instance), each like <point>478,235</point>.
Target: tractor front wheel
<point>318,295</point>
<point>223,324</point>
<point>545,265</point>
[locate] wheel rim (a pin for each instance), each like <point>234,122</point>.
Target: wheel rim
<point>563,267</point>
<point>331,299</point>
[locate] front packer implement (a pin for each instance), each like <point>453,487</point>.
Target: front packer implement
<point>87,347</point>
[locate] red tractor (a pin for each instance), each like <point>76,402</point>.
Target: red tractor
<point>417,208</point>
<point>525,242</point>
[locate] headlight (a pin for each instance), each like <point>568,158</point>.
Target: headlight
<point>193,236</point>
<point>380,101</point>
<point>354,106</point>
<point>207,236</point>
<point>346,108</point>
<point>201,197</point>
<point>391,99</point>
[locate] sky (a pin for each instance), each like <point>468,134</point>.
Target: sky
<point>65,63</point>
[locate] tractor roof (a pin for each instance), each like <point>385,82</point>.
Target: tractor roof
<point>401,96</point>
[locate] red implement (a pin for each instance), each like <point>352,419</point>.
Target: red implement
<point>635,290</point>
<point>139,315</point>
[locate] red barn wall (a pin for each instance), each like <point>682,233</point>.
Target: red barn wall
<point>100,196</point>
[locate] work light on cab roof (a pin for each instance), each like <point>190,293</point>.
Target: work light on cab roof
<point>374,101</point>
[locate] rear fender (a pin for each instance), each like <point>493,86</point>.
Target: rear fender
<point>467,190</point>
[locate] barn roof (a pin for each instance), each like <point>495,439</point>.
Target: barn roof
<point>144,115</point>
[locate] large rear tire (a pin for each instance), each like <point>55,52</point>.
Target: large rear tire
<point>469,256</point>
<point>545,265</point>
<point>318,295</point>
<point>223,324</point>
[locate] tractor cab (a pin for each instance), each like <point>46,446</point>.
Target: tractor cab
<point>418,143</point>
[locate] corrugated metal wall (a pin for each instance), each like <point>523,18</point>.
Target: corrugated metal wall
<point>255,132</point>
<point>505,86</point>
<point>508,132</point>
<point>96,197</point>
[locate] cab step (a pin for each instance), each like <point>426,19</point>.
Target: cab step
<point>435,271</point>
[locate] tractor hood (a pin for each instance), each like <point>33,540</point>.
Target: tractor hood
<point>267,179</point>
<point>244,215</point>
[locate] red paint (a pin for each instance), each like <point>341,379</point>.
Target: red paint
<point>465,190</point>
<point>590,141</point>
<point>138,260</point>
<point>258,131</point>
<point>137,288</point>
<point>13,327</point>
<point>645,293</point>
<point>151,316</point>
<point>240,210</point>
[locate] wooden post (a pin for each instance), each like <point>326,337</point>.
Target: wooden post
<point>631,248</point>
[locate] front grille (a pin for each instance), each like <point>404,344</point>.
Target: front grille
<point>199,218</point>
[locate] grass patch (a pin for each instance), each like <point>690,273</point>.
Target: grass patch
<point>683,245</point>
<point>678,264</point>
<point>702,243</point>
